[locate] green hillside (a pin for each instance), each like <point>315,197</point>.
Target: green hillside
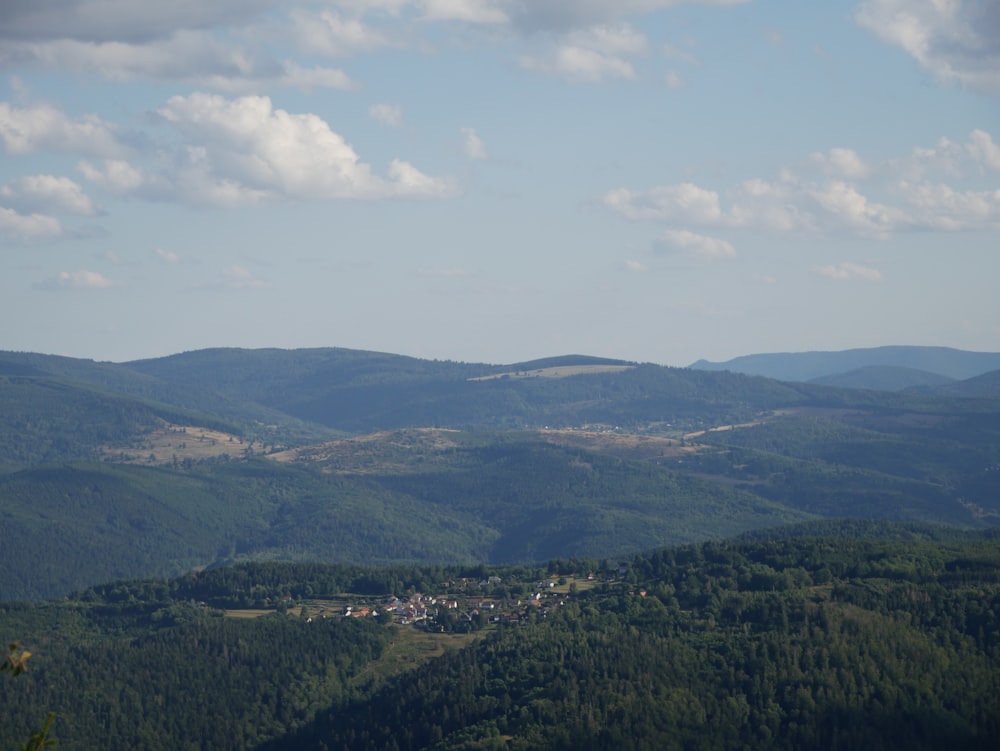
<point>506,500</point>
<point>806,366</point>
<point>361,392</point>
<point>162,466</point>
<point>825,642</point>
<point>883,378</point>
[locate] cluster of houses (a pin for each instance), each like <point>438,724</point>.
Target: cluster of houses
<point>423,611</point>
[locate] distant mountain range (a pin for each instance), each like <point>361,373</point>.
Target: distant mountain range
<point>155,467</point>
<point>892,368</point>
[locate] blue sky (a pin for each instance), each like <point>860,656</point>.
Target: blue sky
<point>499,180</point>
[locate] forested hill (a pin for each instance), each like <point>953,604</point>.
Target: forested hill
<point>358,391</point>
<point>944,362</point>
<point>158,467</point>
<point>840,636</point>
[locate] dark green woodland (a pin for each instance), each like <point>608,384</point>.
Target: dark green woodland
<point>336,549</point>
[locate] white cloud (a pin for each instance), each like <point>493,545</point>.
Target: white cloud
<point>845,272</point>
<point>956,40</point>
<point>842,163</point>
<point>940,207</point>
<point>978,155</point>
<point>167,256</point>
<point>473,146</point>
<point>635,267</point>
<point>46,194</point>
<point>469,11</point>
<point>78,280</point>
<point>241,151</point>
<point>685,201</point>
<point>27,228</point>
<point>847,207</point>
<point>233,45</point>
<point>332,34</point>
<point>121,178</point>
<point>895,195</point>
<point>592,55</point>
<point>295,76</point>
<point>387,114</point>
<point>195,57</point>
<point>43,127</point>
<point>696,245</point>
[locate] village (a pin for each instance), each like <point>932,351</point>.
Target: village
<point>461,605</point>
<point>462,612</point>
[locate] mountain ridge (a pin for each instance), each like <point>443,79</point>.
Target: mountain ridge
<point>154,467</point>
<point>806,366</point>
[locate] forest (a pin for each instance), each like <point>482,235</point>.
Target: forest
<point>869,635</point>
<point>337,549</point>
<point>210,458</point>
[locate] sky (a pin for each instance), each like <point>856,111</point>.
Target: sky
<point>499,180</point>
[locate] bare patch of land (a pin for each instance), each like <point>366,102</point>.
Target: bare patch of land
<point>172,443</point>
<point>624,445</point>
<point>403,451</point>
<point>558,371</point>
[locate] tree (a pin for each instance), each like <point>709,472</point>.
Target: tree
<point>15,661</point>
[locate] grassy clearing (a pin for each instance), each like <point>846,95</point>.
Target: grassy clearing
<point>247,613</point>
<point>403,451</point>
<point>170,443</point>
<point>410,648</point>
<point>624,445</point>
<point>558,371</point>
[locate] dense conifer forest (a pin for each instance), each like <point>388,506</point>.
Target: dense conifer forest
<point>871,636</point>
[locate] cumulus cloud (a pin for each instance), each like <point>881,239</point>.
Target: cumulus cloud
<point>635,267</point>
<point>843,163</point>
<point>121,178</point>
<point>684,201</point>
<point>473,146</point>
<point>697,245</point>
<point>120,20</point>
<point>592,55</point>
<point>978,155</point>
<point>233,152</point>
<point>17,227</point>
<point>334,34</point>
<point>387,114</point>
<point>895,195</point>
<point>46,194</point>
<point>232,45</point>
<point>196,57</point>
<point>470,11</point>
<point>87,280</point>
<point>846,272</point>
<point>956,40</point>
<point>42,127</point>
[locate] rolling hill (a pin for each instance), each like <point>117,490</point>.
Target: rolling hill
<point>206,458</point>
<point>807,366</point>
<point>883,378</point>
